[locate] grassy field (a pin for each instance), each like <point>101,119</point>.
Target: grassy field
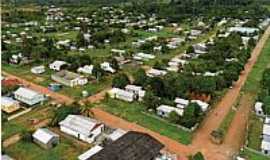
<point>253,156</point>
<point>30,151</point>
<point>254,132</point>
<point>252,86</point>
<point>23,122</point>
<point>133,113</point>
<point>224,126</point>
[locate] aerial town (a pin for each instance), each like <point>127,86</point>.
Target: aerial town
<point>135,80</point>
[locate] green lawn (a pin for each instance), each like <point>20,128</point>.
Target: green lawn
<point>133,113</point>
<point>23,122</point>
<point>30,151</point>
<point>224,126</point>
<point>252,86</point>
<point>10,128</point>
<point>254,132</point>
<point>253,156</point>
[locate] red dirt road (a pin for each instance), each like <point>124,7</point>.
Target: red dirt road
<point>56,96</point>
<point>201,142</point>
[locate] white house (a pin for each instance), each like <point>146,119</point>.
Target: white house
<point>56,65</point>
<point>107,67</point>
<point>266,132</point>
<point>165,110</point>
<point>181,103</point>
<point>265,147</point>
<point>155,72</point>
<point>83,128</point>
<point>45,138</point>
<point>38,69</point>
<point>9,105</point>
<point>69,78</point>
<point>137,90</point>
<point>121,94</point>
<point>87,69</point>
<point>244,30</point>
<point>28,96</point>
<point>258,108</point>
<point>89,153</point>
<point>204,106</point>
<point>143,56</point>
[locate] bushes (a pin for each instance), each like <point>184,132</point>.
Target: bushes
<point>120,81</point>
<point>62,112</point>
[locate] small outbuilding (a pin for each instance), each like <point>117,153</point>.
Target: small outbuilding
<point>45,138</point>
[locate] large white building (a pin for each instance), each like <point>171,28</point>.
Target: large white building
<point>121,94</point>
<point>28,96</point>
<point>83,128</point>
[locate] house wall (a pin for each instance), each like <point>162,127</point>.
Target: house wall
<point>32,101</point>
<point>266,152</point>
<point>266,137</point>
<point>123,97</point>
<point>76,134</point>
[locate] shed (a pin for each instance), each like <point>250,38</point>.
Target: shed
<point>38,69</point>
<point>45,138</point>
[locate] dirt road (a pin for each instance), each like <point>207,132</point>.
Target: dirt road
<point>56,96</point>
<point>201,141</point>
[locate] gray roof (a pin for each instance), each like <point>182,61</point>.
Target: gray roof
<point>78,123</point>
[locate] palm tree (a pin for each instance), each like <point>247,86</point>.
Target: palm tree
<point>86,109</point>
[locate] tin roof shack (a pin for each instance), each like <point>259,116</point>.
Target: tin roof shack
<point>69,78</point>
<point>9,105</point>
<point>131,146</point>
<point>38,69</point>
<point>45,138</point>
<point>83,128</point>
<point>28,96</point>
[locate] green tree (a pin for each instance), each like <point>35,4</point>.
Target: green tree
<point>174,117</point>
<point>192,115</point>
<point>62,112</point>
<point>140,77</point>
<point>114,64</point>
<point>120,80</point>
<point>151,101</point>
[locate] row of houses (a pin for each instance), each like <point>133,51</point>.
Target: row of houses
<point>181,104</point>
